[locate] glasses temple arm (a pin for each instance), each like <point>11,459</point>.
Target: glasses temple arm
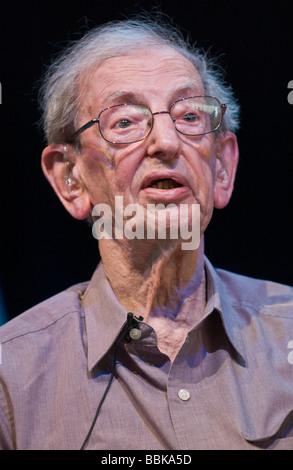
<point>83,128</point>
<point>223,108</point>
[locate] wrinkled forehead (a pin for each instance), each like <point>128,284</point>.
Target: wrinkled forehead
<point>153,70</point>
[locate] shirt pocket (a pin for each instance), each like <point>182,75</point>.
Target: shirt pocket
<point>278,434</point>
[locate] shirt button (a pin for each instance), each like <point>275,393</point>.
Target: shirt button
<point>135,333</point>
<point>184,394</point>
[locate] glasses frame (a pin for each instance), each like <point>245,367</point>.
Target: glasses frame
<point>89,124</point>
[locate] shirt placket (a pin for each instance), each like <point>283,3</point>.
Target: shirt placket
<point>186,403</point>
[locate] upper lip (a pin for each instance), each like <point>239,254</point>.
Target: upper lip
<point>161,175</point>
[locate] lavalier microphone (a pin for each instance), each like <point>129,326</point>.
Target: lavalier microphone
<point>132,327</point>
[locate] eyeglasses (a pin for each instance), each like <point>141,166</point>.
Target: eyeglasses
<point>128,123</point>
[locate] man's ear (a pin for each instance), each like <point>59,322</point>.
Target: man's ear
<point>227,154</point>
<point>58,164</point>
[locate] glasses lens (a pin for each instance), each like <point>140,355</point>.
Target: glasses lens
<point>195,116</point>
<point>126,123</point>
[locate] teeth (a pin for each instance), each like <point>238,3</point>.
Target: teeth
<point>164,184</point>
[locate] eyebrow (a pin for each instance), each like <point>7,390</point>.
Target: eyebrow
<point>129,96</point>
<point>122,96</point>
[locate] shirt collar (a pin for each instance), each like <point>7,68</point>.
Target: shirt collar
<point>105,317</point>
<point>219,299</point>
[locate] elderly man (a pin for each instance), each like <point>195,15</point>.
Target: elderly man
<point>159,350</point>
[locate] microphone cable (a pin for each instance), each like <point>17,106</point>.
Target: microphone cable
<point>132,321</point>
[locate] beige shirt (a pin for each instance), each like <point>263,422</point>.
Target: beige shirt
<point>230,386</point>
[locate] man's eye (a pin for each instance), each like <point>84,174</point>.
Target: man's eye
<point>189,117</point>
<point>123,123</point>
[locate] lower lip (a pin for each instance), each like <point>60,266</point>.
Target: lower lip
<point>166,194</point>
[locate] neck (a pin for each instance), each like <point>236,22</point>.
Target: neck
<point>162,283</point>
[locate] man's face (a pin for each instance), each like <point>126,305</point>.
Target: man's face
<point>156,78</point>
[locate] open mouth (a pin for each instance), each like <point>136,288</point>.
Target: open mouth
<point>165,183</point>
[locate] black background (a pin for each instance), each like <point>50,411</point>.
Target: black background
<point>43,249</point>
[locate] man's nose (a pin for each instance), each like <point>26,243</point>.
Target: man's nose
<point>164,140</point>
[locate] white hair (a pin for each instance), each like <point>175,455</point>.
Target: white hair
<point>60,94</point>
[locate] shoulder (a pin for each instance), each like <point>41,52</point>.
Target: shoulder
<point>267,297</point>
<point>45,314</point>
